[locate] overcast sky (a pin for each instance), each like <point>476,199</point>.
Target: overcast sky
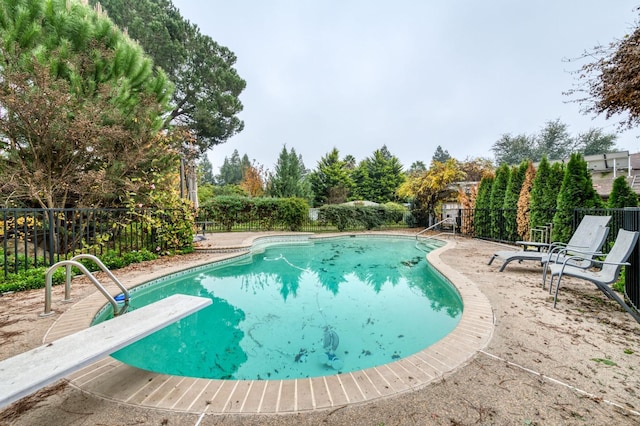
<point>408,74</point>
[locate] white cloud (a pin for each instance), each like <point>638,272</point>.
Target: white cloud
<point>409,74</point>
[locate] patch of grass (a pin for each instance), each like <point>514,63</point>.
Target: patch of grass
<point>605,361</point>
<point>628,351</point>
<point>619,285</point>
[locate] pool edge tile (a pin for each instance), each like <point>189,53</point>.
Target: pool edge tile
<point>472,334</point>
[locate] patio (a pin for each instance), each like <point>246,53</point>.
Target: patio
<point>573,365</point>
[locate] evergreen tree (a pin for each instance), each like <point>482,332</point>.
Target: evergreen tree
<point>514,149</point>
<point>576,192</point>
<point>498,190</point>
<point>440,155</point>
<point>554,141</point>
<point>290,177</point>
<point>594,141</point>
<point>481,215</point>
<point>362,184</point>
<point>416,168</point>
<point>206,100</point>
<point>331,182</point>
<point>622,195</point>
<point>556,176</point>
<point>205,171</point>
<point>511,197</point>
<point>232,169</point>
<point>524,209</point>
<point>541,202</point>
<point>378,177</point>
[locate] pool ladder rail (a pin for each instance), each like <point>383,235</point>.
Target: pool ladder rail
<point>118,308</point>
<point>451,220</point>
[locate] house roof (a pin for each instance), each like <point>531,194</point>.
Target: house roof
<point>603,177</point>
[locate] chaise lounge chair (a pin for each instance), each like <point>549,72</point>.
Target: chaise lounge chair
<point>608,272</point>
<point>560,253</point>
<point>588,238</point>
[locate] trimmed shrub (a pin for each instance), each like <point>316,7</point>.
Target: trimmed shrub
<point>577,192</point>
<point>496,200</point>
<point>270,213</point>
<point>354,217</point>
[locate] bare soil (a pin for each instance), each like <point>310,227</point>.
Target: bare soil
<point>577,364</point>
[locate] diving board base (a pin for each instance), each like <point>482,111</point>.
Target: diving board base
<point>28,372</point>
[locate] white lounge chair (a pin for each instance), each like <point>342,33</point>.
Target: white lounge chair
<point>560,253</point>
<point>607,272</point>
<point>587,238</point>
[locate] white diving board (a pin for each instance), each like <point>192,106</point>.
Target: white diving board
<point>28,372</point>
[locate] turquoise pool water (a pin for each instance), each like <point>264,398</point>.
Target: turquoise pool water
<point>293,310</point>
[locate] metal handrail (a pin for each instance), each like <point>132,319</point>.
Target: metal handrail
<point>68,264</point>
<point>449,219</point>
<point>104,269</point>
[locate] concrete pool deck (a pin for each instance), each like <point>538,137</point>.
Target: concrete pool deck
<point>116,381</point>
<point>480,373</point>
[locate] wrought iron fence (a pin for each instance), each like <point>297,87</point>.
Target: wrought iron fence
<point>42,237</point>
<point>206,224</point>
<point>492,225</point>
<point>629,219</point>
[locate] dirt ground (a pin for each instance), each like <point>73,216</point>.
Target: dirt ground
<point>576,364</point>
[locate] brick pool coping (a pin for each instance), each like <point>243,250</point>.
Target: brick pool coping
<point>113,380</point>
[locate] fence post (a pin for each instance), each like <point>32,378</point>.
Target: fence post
<point>52,234</point>
<point>632,273</point>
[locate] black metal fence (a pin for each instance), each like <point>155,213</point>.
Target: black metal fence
<point>492,225</point>
<point>205,224</point>
<point>42,237</point>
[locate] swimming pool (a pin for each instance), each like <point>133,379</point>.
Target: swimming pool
<point>305,309</point>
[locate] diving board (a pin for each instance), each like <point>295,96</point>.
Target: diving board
<point>24,374</point>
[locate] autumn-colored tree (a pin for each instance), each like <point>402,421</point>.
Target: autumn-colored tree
<point>252,181</point>
<point>609,84</point>
<point>80,109</point>
<point>467,201</point>
<point>429,189</point>
<point>523,202</point>
<point>511,197</point>
<point>73,162</point>
<point>476,168</point>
